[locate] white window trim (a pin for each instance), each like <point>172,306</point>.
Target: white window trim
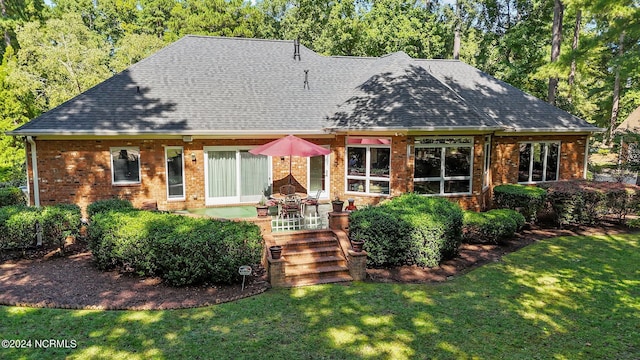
<point>327,175</point>
<point>544,161</point>
<point>236,198</point>
<point>468,142</point>
<point>113,175</point>
<point>166,172</point>
<point>486,162</point>
<point>367,177</point>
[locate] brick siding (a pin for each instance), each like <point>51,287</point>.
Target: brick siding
<point>79,171</point>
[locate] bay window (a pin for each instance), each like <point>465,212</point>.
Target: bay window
<point>443,165</point>
<point>368,165</point>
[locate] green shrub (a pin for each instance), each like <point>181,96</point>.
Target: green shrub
<point>581,202</point>
<point>181,250</point>
<point>101,206</point>
<point>491,227</point>
<point>526,199</point>
<point>409,229</point>
<point>58,222</point>
<point>12,196</point>
<point>18,227</point>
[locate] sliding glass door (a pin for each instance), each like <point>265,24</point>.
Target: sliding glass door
<point>233,175</point>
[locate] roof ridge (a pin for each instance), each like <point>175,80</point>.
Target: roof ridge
<point>233,38</point>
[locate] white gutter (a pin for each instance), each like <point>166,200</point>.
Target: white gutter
<point>586,158</point>
<point>534,130</point>
<point>34,167</point>
<point>168,133</point>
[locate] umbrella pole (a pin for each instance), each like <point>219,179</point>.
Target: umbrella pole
<point>290,175</point>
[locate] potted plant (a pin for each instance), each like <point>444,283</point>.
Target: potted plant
<point>337,204</point>
<point>276,251</point>
<point>356,244</point>
<point>262,207</point>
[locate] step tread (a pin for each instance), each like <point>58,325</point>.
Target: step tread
<point>312,260</point>
<point>319,271</point>
<point>294,252</point>
<point>326,280</point>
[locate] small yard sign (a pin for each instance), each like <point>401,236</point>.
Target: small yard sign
<point>244,270</point>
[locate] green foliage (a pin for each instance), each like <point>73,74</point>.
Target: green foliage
<point>102,206</point>
<point>586,202</point>
<point>491,227</point>
<point>58,222</point>
<point>18,227</point>
<point>526,199</point>
<point>409,229</point>
<point>12,196</point>
<point>179,249</point>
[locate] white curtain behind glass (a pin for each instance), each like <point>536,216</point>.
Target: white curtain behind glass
<point>254,174</point>
<point>222,173</point>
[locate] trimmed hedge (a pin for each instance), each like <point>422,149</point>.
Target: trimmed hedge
<point>12,196</point>
<point>18,225</point>
<point>528,200</point>
<point>581,202</point>
<point>407,230</point>
<point>181,250</point>
<point>114,204</point>
<point>60,221</point>
<point>491,227</point>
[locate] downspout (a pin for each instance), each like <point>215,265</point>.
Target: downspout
<point>586,157</point>
<point>34,167</point>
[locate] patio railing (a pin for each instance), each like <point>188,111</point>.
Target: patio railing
<point>291,223</point>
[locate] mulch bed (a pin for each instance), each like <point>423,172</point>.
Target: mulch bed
<point>73,282</point>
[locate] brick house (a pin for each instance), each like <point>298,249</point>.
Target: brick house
<point>177,126</point>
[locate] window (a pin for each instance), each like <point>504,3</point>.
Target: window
<point>175,172</point>
<point>368,165</point>
<point>487,162</point>
<point>125,165</point>
<point>443,166</point>
<point>539,161</point>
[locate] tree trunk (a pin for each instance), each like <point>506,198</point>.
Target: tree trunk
<point>556,40</point>
<point>456,37</point>
<point>3,10</point>
<point>574,47</point>
<point>615,106</point>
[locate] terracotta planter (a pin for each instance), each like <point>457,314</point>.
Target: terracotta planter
<point>337,206</point>
<point>262,211</point>
<point>276,252</point>
<point>356,245</point>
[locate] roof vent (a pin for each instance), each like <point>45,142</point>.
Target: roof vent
<point>296,49</point>
<point>306,80</point>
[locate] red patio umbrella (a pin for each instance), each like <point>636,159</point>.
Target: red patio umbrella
<point>290,146</point>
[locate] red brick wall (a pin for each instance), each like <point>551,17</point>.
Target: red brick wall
<point>506,156</point>
<point>79,171</point>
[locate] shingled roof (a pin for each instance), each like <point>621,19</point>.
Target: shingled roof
<point>214,86</point>
<point>631,124</point>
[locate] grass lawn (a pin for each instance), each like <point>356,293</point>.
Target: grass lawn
<point>564,298</point>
